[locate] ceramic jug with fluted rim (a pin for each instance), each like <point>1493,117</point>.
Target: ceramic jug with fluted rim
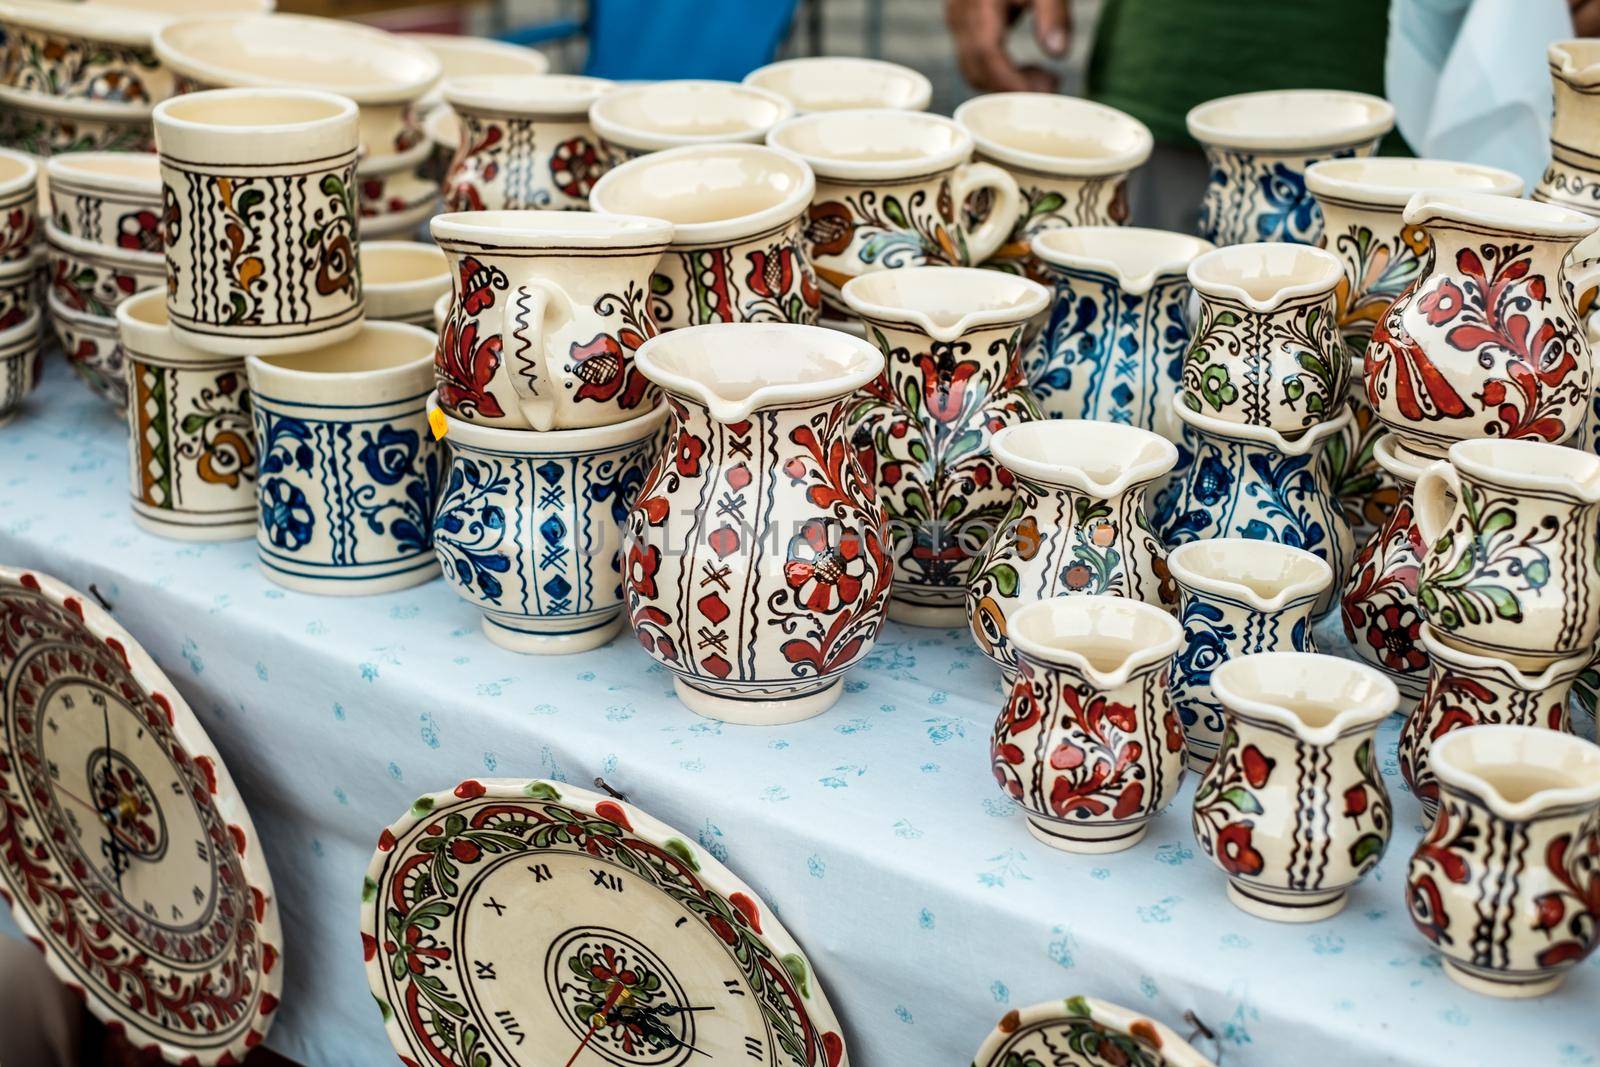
<point>1573,177</point>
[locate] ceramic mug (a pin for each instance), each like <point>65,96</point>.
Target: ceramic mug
<point>95,278</point>
<point>549,308</point>
<point>261,219</point>
<point>1573,177</point>
<point>19,290</point>
<point>21,363</point>
<point>524,142</point>
<point>403,280</point>
<point>19,205</point>
<point>191,445</point>
<point>839,83</point>
<point>1088,742</point>
<point>890,190</point>
<point>45,126</point>
<point>634,120</point>
<point>348,467</point>
<point>107,198</point>
<point>465,56</point>
<point>92,349</point>
<point>738,252</point>
<point>398,194</point>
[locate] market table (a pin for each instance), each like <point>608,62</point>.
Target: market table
<point>874,830</point>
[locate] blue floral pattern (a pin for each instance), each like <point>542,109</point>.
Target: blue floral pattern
<point>470,528</point>
<point>285,515</point>
<point>1252,197</point>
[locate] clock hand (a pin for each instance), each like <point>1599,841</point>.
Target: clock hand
<point>102,812</point>
<point>674,1009</point>
<point>604,1012</point>
<point>647,1021</point>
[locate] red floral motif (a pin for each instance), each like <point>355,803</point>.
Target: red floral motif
<point>17,229</point>
<point>465,364</point>
<point>1442,304</point>
<point>1098,745</point>
<point>1236,851</point>
<point>945,377</point>
<point>575,166</point>
<point>1225,806</point>
<point>469,173</point>
<point>140,231</point>
<point>1395,361</point>
<point>777,269</point>
<point>643,565</point>
<point>1450,702</point>
<point>1021,713</point>
<point>827,566</point>
<point>1569,915</point>
<point>606,373</point>
<point>1446,850</point>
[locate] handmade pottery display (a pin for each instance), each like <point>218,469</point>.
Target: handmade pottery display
<point>108,198</point>
<point>1573,177</point>
<point>1237,597</point>
<point>1084,1032</point>
<point>1112,348</point>
<point>348,469</point>
<point>19,290</point>
<point>21,364</point>
<point>403,280</point>
<point>1378,606</point>
<point>191,449</point>
<point>1504,885</point>
<point>949,338</point>
<point>261,219</point>
<point>93,350</point>
<point>1088,742</point>
<point>890,190</point>
<point>1366,491</point>
<point>19,205</point>
<point>738,250</point>
<point>1511,567</point>
<point>95,278</point>
<point>45,125</point>
<point>397,193</point>
<point>1076,524</point>
<point>1259,146</point>
<point>529,528</point>
<point>1266,352</point>
<point>1487,341</point>
<point>840,83</point>
<point>635,119</point>
<point>549,308</point>
<point>1467,689</point>
<point>1293,808</point>
<point>523,141</point>
<point>1071,159</point>
<point>463,56</point>
<point>759,604</point>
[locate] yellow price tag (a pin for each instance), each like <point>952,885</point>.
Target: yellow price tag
<point>440,426</point>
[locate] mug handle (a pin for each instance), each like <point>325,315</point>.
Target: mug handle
<point>523,354</point>
<point>987,237</point>
<point>1431,500</point>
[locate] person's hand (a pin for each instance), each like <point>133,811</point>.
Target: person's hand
<point>979,28</point>
<point>1585,17</point>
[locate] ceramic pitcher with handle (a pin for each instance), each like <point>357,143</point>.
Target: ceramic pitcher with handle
<point>1573,177</point>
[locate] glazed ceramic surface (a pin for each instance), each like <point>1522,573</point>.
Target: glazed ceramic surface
<point>1366,490</point>
<point>348,467</point>
<point>890,190</point>
<point>108,198</point>
<point>403,280</point>
<point>951,379</point>
<point>1113,345</point>
<point>261,219</point>
<point>463,56</point>
<point>1511,565</point>
<point>1466,689</point>
<point>1237,597</point>
<point>758,563</point>
<point>840,83</point>
<point>1088,742</point>
<point>126,854</point>
<point>1266,352</point>
<point>1378,606</point>
<point>637,119</point>
<point>1071,159</point>
<point>1573,176</point>
<point>738,250</point>
<point>1293,808</point>
<point>19,290</point>
<point>1506,885</point>
<point>529,528</point>
<point>94,279</point>
<point>1486,343</point>
<point>397,193</point>
<point>44,126</point>
<point>627,940</point>
<point>19,205</point>
<point>1076,524</point>
<point>524,142</point>
<point>191,446</point>
<point>549,309</point>
<point>21,364</point>
<point>93,350</point>
<point>1084,1032</point>
<point>1259,146</point>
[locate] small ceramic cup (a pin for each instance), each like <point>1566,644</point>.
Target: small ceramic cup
<point>1238,597</point>
<point>1259,146</point>
<point>19,289</point>
<point>397,193</point>
<point>191,447</point>
<point>45,126</point>
<point>839,83</point>
<point>93,350</point>
<point>404,280</point>
<point>633,120</point>
<point>890,190</point>
<point>1088,742</point>
<point>524,141</point>
<point>1503,885</point>
<point>19,205</point>
<point>529,528</point>
<point>261,219</point>
<point>1293,808</point>
<point>738,251</point>
<point>1071,159</point>
<point>107,198</point>
<point>94,278</point>
<point>348,467</point>
<point>464,56</point>
<point>21,363</point>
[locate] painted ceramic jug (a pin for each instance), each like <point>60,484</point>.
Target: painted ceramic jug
<point>1487,341</point>
<point>1084,1032</point>
<point>525,142</point>
<point>1238,597</point>
<point>1378,605</point>
<point>757,560</point>
<point>1573,177</point>
<point>951,379</point>
<point>1112,348</point>
<point>1294,809</point>
<point>1244,481</point>
<point>1366,492</point>
<point>1265,352</point>
<point>1506,885</point>
<point>1511,529</point>
<point>1466,689</point>
<point>1088,742</point>
<point>1076,524</point>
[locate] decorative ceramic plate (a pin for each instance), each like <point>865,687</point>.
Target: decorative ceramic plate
<point>1084,1032</point>
<point>126,854</point>
<point>531,923</point>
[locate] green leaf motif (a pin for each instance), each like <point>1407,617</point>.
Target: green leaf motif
<point>541,791</point>
<point>1005,579</point>
<point>1242,799</point>
<point>421,806</point>
<point>1367,849</point>
<point>795,964</point>
<point>680,848</point>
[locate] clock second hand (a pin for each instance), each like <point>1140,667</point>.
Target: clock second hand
<point>110,824</point>
<point>612,996</point>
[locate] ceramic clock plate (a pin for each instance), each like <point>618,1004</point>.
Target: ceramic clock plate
<point>530,923</point>
<point>125,851</point>
<point>1084,1032</point>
